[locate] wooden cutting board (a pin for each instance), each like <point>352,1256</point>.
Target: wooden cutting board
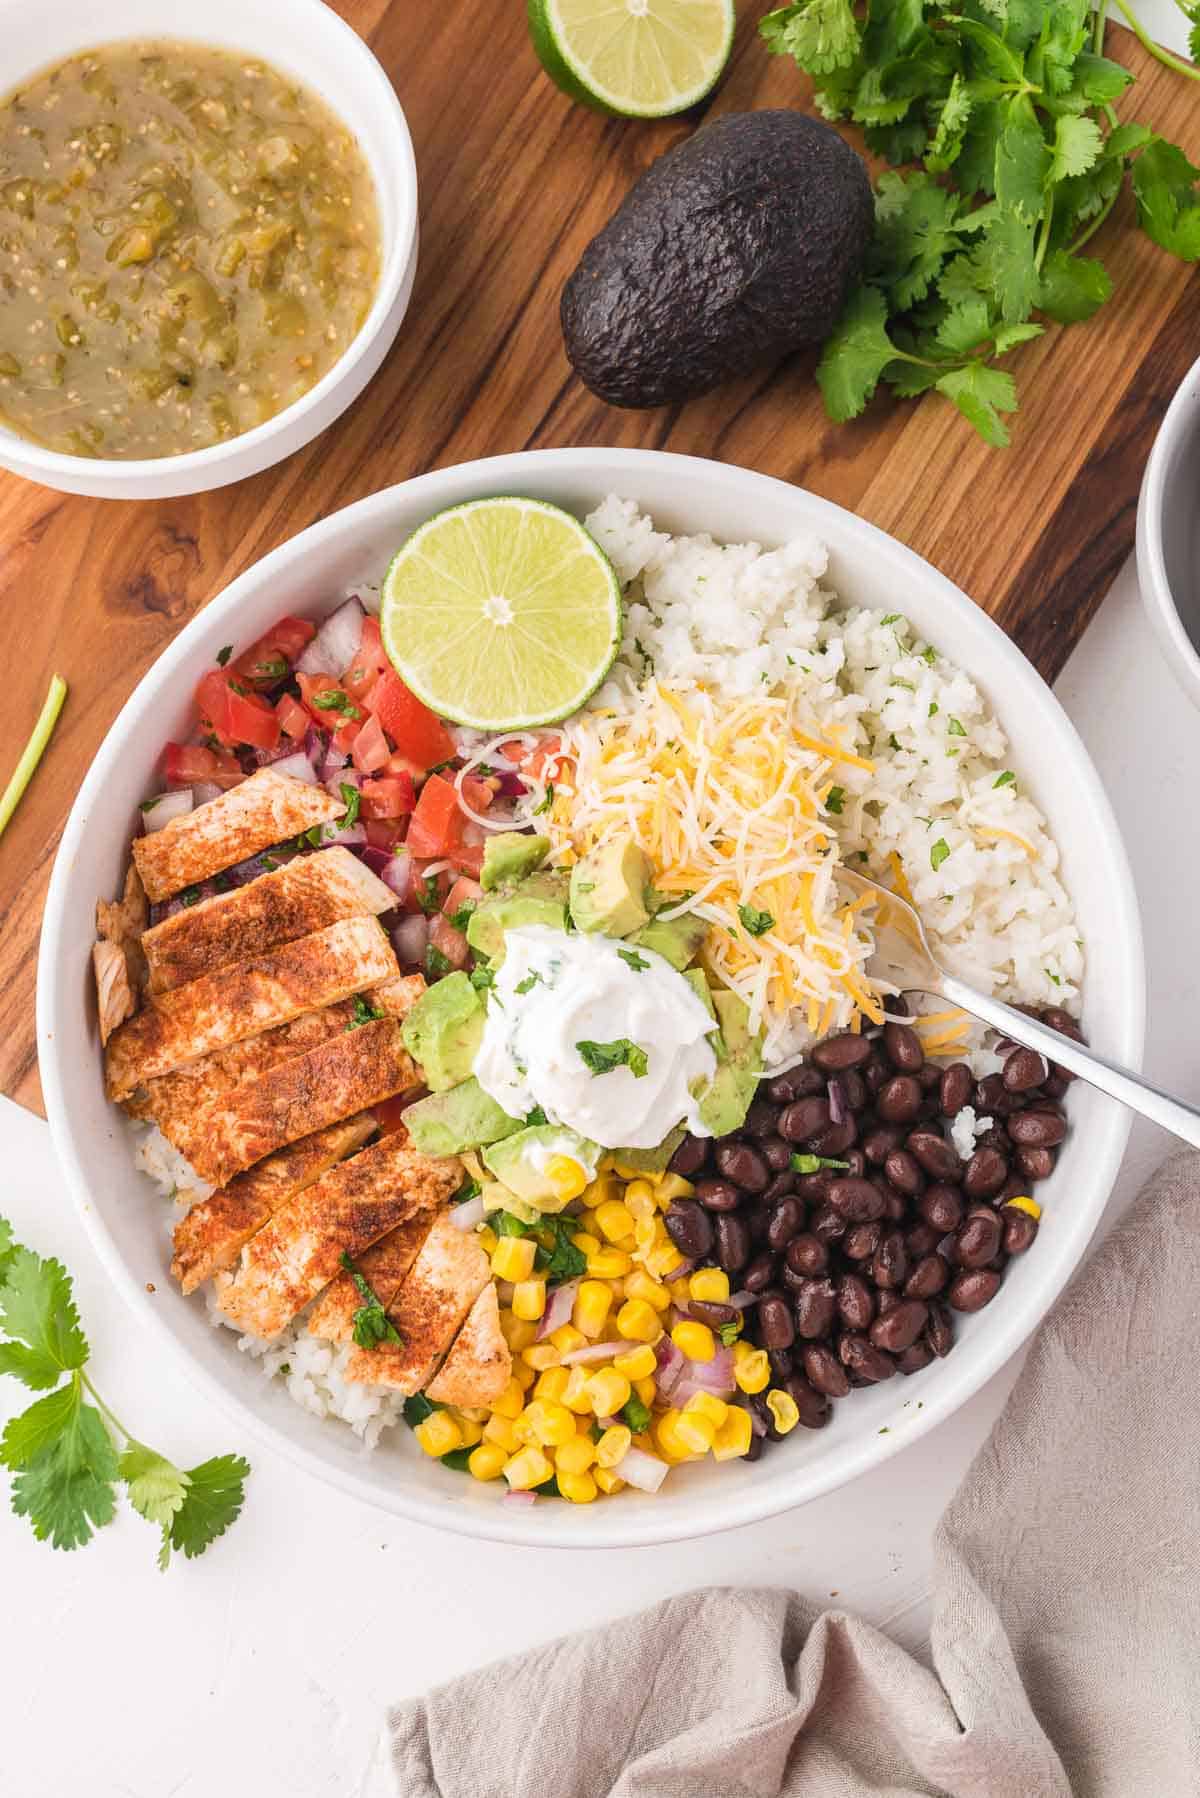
<point>514,181</point>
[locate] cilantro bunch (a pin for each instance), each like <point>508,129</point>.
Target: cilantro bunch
<point>1005,106</point>
<point>68,1455</point>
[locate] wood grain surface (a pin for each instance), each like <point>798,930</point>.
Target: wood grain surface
<point>514,181</point>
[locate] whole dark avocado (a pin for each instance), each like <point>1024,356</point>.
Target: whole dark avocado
<point>734,249</point>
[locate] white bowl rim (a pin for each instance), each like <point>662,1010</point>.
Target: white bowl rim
<point>56,464</point>
<point>1015,1323</point>
<point>1176,643</point>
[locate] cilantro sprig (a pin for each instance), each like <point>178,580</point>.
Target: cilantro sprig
<point>602,1058</point>
<point>69,1452</point>
<point>372,1325</point>
<point>1018,158</point>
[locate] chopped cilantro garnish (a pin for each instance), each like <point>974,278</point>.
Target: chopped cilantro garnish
<point>223,655</point>
<point>190,896</point>
<point>335,701</point>
<point>470,1189</point>
<point>547,800</point>
<point>891,618</point>
<point>729,1332</point>
<point>755,923</point>
<point>602,1058</point>
<point>436,963</point>
<point>532,979</point>
<point>462,917</point>
<point>440,767</point>
<point>954,728</point>
<point>892,743</point>
<point>429,897</point>
<point>457,1458</point>
<point>835,799</point>
<point>536,1116</point>
<point>938,853</point>
<point>481,978</point>
<point>352,799</point>
<point>1007,779</point>
<point>364,1013</point>
<point>632,959</point>
<point>372,1325</point>
<point>562,1261</point>
<point>418,1408</point>
<point>933,710</point>
<point>274,669</point>
<point>506,1223</point>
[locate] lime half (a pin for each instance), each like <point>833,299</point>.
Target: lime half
<point>640,59</point>
<point>502,614</point>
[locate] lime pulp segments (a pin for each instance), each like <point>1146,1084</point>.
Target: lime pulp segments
<point>635,58</point>
<point>502,614</point>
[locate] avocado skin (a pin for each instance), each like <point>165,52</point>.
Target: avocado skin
<point>734,249</point>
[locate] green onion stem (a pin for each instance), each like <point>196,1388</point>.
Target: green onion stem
<point>1167,57</point>
<point>33,751</point>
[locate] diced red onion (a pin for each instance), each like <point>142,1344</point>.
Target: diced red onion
<point>160,811</point>
<point>639,1469</point>
<point>594,1351</point>
<point>297,766</point>
<point>410,938</point>
<point>468,1214</point>
<point>837,1101</point>
<point>524,1499</point>
<point>339,778</point>
<point>336,643</point>
<point>512,785</point>
<point>742,1301</point>
<point>346,836</point>
<point>560,1304</point>
<point>270,758</point>
<point>397,875</point>
<point>715,1376</point>
<point>671,1364</point>
<point>206,790</point>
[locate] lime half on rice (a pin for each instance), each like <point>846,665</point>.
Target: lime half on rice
<point>502,614</point>
<point>640,59</point>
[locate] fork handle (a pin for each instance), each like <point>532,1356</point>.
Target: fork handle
<point>1140,1095</point>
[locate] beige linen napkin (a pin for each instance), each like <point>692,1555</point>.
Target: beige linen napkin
<point>1066,1642</point>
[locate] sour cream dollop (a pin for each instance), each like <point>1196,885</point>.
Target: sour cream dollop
<point>557,989</point>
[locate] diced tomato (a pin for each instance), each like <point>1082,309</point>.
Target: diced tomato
<point>327,701</point>
<point>369,663</point>
<point>388,796</point>
<point>370,747</point>
<point>389,1113</point>
<point>478,793</point>
<point>436,826</point>
<point>447,941</point>
<point>403,764</point>
<point>293,719</point>
<point>415,731</point>
<point>269,661</point>
<point>382,833</point>
<point>463,892</point>
<point>233,716</point>
<point>187,763</point>
<point>467,854</point>
<point>422,896</point>
<point>345,734</point>
<point>531,758</point>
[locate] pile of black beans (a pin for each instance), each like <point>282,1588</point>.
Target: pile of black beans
<point>857,1270</point>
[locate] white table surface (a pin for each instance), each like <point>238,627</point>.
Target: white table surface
<point>266,1666</point>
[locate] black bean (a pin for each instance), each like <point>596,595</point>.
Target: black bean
<point>776,1153</point>
<point>927,1278</point>
<point>814,1305</point>
<point>804,1119</point>
<point>1056,1083</point>
<point>895,1205</point>
<point>1036,1164</point>
<point>985,1174</point>
<point>798,1083</point>
<point>1024,1069</point>
<point>903,1172</point>
<point>733,1243</point>
<point>780,1186</point>
<point>887,1300</point>
<point>899,1329</point>
<point>954,1088</point>
<point>860,1356</point>
<point>856,1162</point>
<point>903,1048</point>
<point>837,1053</point>
<point>854,1089</point>
<point>762,1119</point>
<point>707,1311</point>
<point>876,1073</point>
<point>1063,1022</point>
<point>941,1207</point>
<point>754,1452</point>
<point>890,1266</point>
<point>979,1237</point>
<point>759,1274</point>
<point>855,1302</point>
<point>834,1139</point>
<point>806,1254</point>
<point>690,1156</point>
<point>930,1077</point>
<point>947,1248</point>
<point>995,1138</point>
<point>912,1360</point>
<point>858,1201</point>
<point>920,1240</point>
<point>900,1100</point>
<point>879,1142</point>
<point>939,1332</point>
<point>1039,1129</point>
<point>690,1228</point>
<point>972,1290</point>
<point>781,1363</point>
<point>1019,1230</point>
<point>814,1188</point>
<point>775,1327</point>
<point>824,1371</point>
<point>935,1155</point>
<point>827,1225</point>
<point>813,1407</point>
<point>993,1099</point>
<point>718,1195</point>
<point>784,1222</point>
<point>738,1162</point>
<point>1015,1187</point>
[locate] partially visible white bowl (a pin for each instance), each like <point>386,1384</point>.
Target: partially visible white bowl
<point>311,42</point>
<point>124,1214</point>
<point>1168,535</point>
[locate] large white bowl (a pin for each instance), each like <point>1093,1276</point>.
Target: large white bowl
<point>124,1214</point>
<point>1168,535</point>
<point>311,42</point>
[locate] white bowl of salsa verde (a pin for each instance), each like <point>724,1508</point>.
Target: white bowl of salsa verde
<point>213,221</point>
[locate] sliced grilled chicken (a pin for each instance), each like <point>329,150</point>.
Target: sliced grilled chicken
<point>384,1265</point>
<point>446,1279</point>
<point>305,895</point>
<point>298,1251</point>
<point>479,1365</point>
<point>260,812</point>
<point>123,924</point>
<point>214,1232</point>
<point>115,1001</point>
<point>239,1002</point>
<point>351,1072</point>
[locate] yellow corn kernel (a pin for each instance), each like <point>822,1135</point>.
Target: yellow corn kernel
<point>638,1363</point>
<point>625,1170</point>
<point>541,1355</point>
<point>694,1340</point>
<point>614,1445</point>
<point>513,1258</point>
<point>527,1469</point>
<point>1023,1202</point>
<point>523,1374</point>
<point>673,1186</point>
<point>609,1390</point>
<point>552,1424</point>
<point>470,1431</point>
<point>487,1461</point>
<point>647,1231</point>
<point>577,1396</point>
<point>487,1238</point>
<point>751,1368</point>
<point>592,1304</point>
<point>782,1407</point>
<point>511,1402</point>
<point>710,1285</point>
<point>608,1263</point>
<point>663,1260</point>
<point>666,1435</point>
<point>500,1430</point>
<point>733,1437</point>
<point>584,1240</point>
<point>613,1221</point>
<point>567,1338</point>
<point>646,1390</point>
<point>439,1434</point>
<point>473,1413</point>
<point>639,1198</point>
<point>639,1285</point>
<point>529,1299</point>
<point>566,1177</point>
<point>579,1488</point>
<point>552,1384</point>
<point>607,1480</point>
<point>575,1456</point>
<point>524,1432</point>
<point>695,1432</point>
<point>707,1404</point>
<point>517,1333</point>
<point>638,1322</point>
<point>601,1190</point>
<point>680,1291</point>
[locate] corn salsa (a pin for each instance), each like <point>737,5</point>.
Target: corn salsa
<point>189,240</point>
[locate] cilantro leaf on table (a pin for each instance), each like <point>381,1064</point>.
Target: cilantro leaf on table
<point>37,1310</point>
<point>821,34</point>
<point>67,1489</point>
<point>215,1494</point>
<point>1164,184</point>
<point>855,356</point>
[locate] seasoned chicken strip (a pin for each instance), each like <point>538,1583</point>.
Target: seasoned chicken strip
<point>298,1252</point>
<point>260,812</point>
<point>479,1365</point>
<point>243,1001</point>
<point>305,895</point>
<point>351,1072</point>
<point>123,924</point>
<point>384,1265</point>
<point>114,994</point>
<point>446,1279</point>
<point>214,1232</point>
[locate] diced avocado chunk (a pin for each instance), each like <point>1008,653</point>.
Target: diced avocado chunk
<point>540,899</point>
<point>520,1161</point>
<point>724,1105</point>
<point>677,940</point>
<point>608,888</point>
<point>464,1118</point>
<point>443,1031</point>
<point>649,1161</point>
<point>698,981</point>
<point>509,857</point>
